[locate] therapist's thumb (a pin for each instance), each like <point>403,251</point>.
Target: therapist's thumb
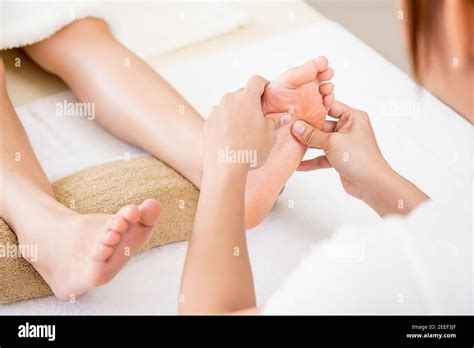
<point>310,136</point>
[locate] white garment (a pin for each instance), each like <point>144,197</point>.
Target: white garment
<point>421,264</point>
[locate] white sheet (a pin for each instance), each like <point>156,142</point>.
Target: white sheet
<point>431,146</point>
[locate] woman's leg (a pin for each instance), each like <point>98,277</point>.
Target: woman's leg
<point>133,102</point>
<point>75,252</point>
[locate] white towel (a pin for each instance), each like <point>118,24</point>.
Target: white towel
<point>163,26</point>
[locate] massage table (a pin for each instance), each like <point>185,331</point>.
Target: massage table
<point>422,138</point>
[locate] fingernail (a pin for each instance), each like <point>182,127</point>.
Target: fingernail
<point>299,127</point>
<point>285,120</point>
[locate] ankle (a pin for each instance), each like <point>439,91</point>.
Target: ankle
<point>25,219</point>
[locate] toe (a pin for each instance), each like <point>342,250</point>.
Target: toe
<point>130,213</point>
<point>149,212</point>
<point>303,74</point>
<point>118,224</point>
<point>328,100</point>
<point>322,63</point>
<point>325,75</point>
<point>111,238</point>
<point>103,252</point>
<point>326,88</point>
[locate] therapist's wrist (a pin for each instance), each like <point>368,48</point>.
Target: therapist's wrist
<point>390,193</point>
<point>226,181</point>
<point>216,170</point>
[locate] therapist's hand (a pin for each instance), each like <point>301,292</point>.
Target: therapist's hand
<point>236,132</point>
<point>236,137</point>
<point>350,147</point>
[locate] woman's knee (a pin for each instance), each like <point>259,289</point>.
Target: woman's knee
<point>54,52</point>
<point>86,27</point>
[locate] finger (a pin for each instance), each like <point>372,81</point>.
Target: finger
<point>320,162</point>
<point>310,136</point>
<point>325,75</point>
<point>338,109</point>
<point>256,85</point>
<point>280,119</point>
<point>329,126</point>
<point>272,122</point>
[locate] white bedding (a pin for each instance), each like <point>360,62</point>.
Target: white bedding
<point>430,144</point>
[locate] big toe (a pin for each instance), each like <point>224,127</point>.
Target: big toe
<point>307,72</point>
<point>311,71</point>
<point>149,212</point>
<point>322,63</point>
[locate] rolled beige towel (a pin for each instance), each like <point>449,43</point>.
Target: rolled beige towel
<point>105,189</point>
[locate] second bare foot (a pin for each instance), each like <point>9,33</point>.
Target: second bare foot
<point>79,252</point>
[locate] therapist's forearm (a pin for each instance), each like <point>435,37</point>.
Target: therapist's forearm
<point>217,276</point>
<point>390,193</point>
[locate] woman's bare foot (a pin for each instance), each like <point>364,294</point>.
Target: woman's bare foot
<point>300,92</point>
<point>79,252</point>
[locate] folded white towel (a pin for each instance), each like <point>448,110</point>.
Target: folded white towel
<point>24,23</point>
<point>147,28</point>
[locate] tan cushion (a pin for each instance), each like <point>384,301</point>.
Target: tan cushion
<point>105,189</point>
